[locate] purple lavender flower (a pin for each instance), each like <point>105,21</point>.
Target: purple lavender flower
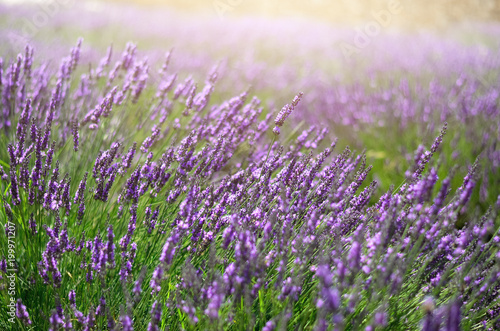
<point>148,142</point>
<point>76,135</point>
<point>126,323</point>
<point>72,298</point>
<point>137,289</point>
<point>14,191</point>
<point>55,321</point>
<point>270,326</point>
<point>28,62</point>
<point>3,174</point>
<point>110,248</point>
<point>12,155</point>
<point>453,319</point>
<point>48,160</point>
<point>79,197</point>
<point>68,325</point>
<point>127,263</point>
<point>156,279</point>
<point>287,110</point>
<point>3,265</point>
<point>273,219</point>
<point>104,62</point>
<point>22,313</point>
<point>124,242</point>
<point>32,225</point>
<point>354,255</point>
<point>127,160</point>
<point>89,320</point>
<point>101,307</point>
<point>216,298</point>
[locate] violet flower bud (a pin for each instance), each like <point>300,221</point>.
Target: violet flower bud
<point>22,313</point>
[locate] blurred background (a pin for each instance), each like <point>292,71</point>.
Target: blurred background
<point>29,19</point>
<point>214,27</point>
<point>418,13</point>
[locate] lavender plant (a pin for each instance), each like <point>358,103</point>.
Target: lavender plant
<point>138,200</point>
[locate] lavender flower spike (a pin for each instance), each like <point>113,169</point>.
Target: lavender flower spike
<point>22,313</point>
<point>287,110</point>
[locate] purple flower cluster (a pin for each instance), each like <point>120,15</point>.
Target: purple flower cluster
<point>217,226</point>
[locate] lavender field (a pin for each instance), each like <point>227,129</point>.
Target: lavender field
<point>161,170</point>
